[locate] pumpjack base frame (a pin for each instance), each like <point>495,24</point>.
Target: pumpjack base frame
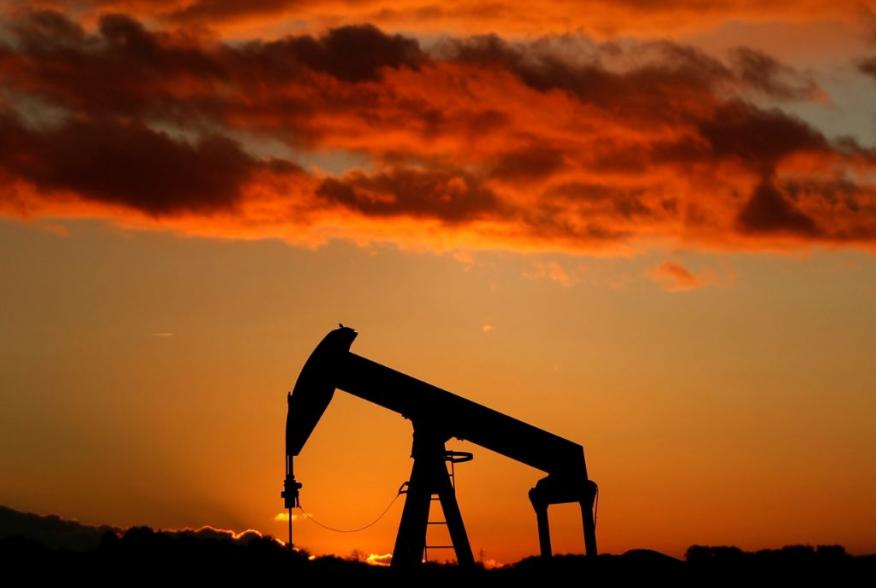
<point>429,476</point>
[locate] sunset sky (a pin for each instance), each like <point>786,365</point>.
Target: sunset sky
<point>648,227</point>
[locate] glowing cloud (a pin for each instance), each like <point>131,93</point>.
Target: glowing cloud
<point>674,277</point>
<point>379,559</point>
<point>555,144</point>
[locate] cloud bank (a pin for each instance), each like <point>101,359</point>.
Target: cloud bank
<point>555,143</point>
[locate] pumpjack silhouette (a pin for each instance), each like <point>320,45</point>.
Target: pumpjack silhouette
<point>437,416</point>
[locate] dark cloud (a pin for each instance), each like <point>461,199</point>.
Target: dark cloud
<point>768,211</point>
<point>127,164</point>
<point>766,74</point>
<point>759,137</point>
<point>451,197</point>
<point>349,53</point>
<point>529,164</point>
<point>868,66</point>
<point>125,69</point>
<point>127,36</point>
<point>626,203</point>
<point>47,31</point>
<point>121,69</point>
<point>659,74</point>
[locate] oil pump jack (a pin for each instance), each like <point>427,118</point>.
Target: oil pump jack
<point>436,416</point>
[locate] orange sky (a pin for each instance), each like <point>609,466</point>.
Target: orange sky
<point>666,211</point>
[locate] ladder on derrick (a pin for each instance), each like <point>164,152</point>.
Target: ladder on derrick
<point>453,458</point>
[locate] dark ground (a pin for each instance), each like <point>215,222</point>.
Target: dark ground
<point>34,548</point>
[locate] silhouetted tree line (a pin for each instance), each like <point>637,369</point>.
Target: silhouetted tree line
<point>29,550</point>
